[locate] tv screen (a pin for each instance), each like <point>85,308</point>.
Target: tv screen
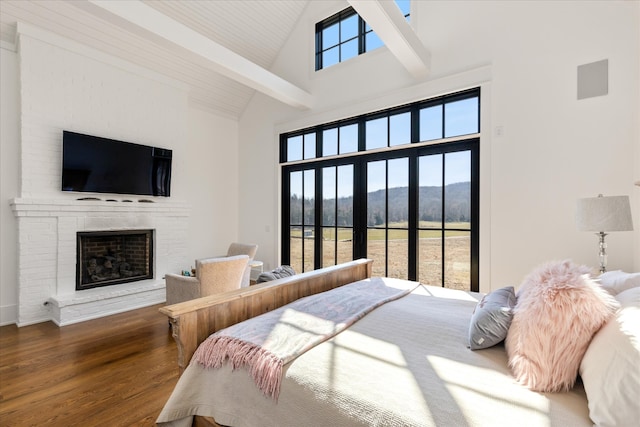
<point>99,165</point>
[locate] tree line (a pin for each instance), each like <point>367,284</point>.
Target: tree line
<point>457,206</point>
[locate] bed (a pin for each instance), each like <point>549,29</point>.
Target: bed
<point>405,363</point>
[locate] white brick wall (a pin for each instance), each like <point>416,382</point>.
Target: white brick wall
<point>47,231</point>
<point>64,90</point>
<point>65,86</point>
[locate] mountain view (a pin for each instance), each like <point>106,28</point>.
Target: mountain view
<point>457,209</point>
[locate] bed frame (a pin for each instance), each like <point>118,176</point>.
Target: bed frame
<point>193,321</point>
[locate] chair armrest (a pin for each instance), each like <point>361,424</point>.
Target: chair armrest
<point>181,288</point>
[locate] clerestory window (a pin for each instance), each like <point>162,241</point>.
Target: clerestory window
<point>346,35</point>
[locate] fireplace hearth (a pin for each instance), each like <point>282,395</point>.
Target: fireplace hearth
<point>106,258</point>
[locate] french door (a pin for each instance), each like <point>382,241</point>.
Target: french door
<point>414,211</point>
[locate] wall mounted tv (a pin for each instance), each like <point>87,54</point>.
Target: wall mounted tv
<point>99,165</point>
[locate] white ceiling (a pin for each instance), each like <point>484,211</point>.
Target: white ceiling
<point>255,30</point>
<point>221,50</point>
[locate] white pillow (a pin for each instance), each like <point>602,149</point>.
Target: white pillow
<point>618,281</point>
<point>610,368</point>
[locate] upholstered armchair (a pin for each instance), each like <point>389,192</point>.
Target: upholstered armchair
<point>213,275</point>
<point>244,249</point>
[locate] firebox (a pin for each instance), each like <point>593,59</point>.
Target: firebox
<point>107,258</point>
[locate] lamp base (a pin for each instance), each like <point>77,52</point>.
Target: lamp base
<point>602,253</point>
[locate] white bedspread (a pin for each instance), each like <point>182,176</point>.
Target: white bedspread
<point>404,364</point>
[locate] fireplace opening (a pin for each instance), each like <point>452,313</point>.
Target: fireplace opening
<point>107,258</point>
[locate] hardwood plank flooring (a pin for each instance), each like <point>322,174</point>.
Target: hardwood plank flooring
<point>114,371</point>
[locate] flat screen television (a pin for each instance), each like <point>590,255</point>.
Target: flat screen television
<point>92,164</point>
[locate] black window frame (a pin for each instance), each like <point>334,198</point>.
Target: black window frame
<point>469,142</point>
<point>361,120</point>
<point>338,18</point>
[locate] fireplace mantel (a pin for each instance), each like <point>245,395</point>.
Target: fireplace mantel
<point>47,239</point>
<point>63,206</point>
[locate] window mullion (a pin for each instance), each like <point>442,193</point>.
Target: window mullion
<point>412,228</point>
<point>317,210</point>
<point>386,217</point>
<point>362,47</point>
<point>442,222</point>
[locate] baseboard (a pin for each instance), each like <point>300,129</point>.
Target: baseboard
<point>8,314</point>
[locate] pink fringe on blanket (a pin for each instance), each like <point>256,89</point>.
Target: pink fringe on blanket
<point>265,367</point>
<point>264,344</point>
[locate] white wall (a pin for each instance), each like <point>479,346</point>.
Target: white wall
<point>9,182</point>
<point>65,85</point>
<point>554,148</point>
<point>212,169</point>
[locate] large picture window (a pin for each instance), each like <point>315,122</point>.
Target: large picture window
<point>399,186</point>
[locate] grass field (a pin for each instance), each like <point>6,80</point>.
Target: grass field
<point>457,250</point>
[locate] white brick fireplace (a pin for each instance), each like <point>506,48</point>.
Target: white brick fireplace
<point>67,86</point>
<point>47,256</point>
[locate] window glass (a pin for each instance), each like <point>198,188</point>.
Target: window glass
<point>329,196</point>
<point>376,133</point>
<point>349,28</point>
<point>348,139</point>
<point>295,243</point>
<point>294,148</point>
<point>345,245</point>
<point>295,198</point>
<point>405,7</point>
<point>457,179</point>
<point>341,37</point>
<point>431,123</point>
<point>309,197</point>
<point>308,249</point>
<point>348,50</point>
<point>331,57</point>
<point>457,256</point>
<point>461,117</point>
<point>372,41</point>
<point>330,142</point>
<point>398,188</point>
<point>310,146</point>
<point>430,196</point>
<point>376,193</point>
<point>331,36</point>
<point>345,195</point>
<point>400,129</point>
<point>337,217</point>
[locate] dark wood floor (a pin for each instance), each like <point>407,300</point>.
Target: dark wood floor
<point>114,371</point>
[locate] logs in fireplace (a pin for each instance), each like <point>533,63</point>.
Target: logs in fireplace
<point>107,258</point>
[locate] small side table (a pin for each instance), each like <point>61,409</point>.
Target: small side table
<point>256,268</point>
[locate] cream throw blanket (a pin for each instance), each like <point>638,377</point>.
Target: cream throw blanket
<point>265,343</point>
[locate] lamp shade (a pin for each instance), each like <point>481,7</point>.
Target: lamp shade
<point>612,213</point>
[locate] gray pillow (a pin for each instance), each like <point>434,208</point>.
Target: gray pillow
<point>277,273</point>
<point>491,318</point>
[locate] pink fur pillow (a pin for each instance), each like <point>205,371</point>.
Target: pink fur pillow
<point>559,309</point>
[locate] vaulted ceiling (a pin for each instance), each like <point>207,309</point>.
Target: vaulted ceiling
<point>255,30</point>
<point>222,50</point>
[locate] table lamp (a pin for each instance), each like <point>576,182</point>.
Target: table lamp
<point>604,214</point>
